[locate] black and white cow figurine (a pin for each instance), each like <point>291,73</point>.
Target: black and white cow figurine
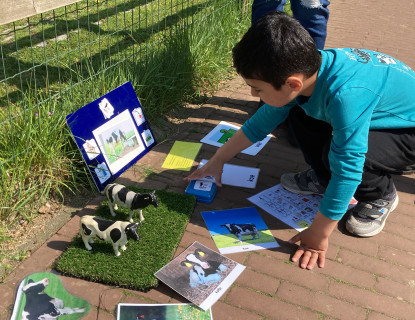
<point>116,232</point>
<point>240,230</point>
<point>202,272</point>
<point>41,306</point>
<point>118,194</point>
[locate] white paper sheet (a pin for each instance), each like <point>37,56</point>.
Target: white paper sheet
<point>233,175</point>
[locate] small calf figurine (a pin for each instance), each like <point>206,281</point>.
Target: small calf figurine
<point>116,232</point>
<point>117,194</point>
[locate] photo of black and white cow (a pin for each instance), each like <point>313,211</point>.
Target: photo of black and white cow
<point>41,306</point>
<point>202,272</point>
<point>116,136</point>
<point>242,229</point>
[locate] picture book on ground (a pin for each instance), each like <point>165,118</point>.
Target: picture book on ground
<point>237,176</point>
<point>112,133</point>
<point>42,296</point>
<point>200,274</point>
<point>224,131</point>
<point>298,211</point>
<point>237,230</point>
<point>174,311</point>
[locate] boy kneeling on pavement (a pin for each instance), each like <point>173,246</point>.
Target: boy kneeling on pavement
<point>355,125</point>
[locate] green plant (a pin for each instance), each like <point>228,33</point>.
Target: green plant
<point>38,158</point>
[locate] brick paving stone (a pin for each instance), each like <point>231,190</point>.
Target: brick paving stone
<point>161,294</point>
<point>373,301</point>
<point>347,274</point>
<point>134,299</point>
<point>396,290</point>
<point>71,228</point>
<point>95,314</point>
<point>223,311</point>
<point>320,302</point>
<point>7,294</point>
<point>98,295</point>
<point>394,241</point>
<point>258,281</point>
<point>367,246</point>
<point>396,256</point>
<point>267,305</point>
<point>376,266</point>
<point>287,271</point>
<point>377,316</point>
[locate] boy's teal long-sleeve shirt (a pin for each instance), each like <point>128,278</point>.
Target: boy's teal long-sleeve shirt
<point>356,91</point>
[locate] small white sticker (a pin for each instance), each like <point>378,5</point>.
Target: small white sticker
<point>102,172</point>
<point>203,185</point>
<point>106,108</point>
<point>138,116</point>
<point>91,149</point>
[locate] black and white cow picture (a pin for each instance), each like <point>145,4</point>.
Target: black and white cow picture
<point>116,232</point>
<point>239,230</point>
<point>202,272</point>
<point>119,195</point>
<point>41,306</point>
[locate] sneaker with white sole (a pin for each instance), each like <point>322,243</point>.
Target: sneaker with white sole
<point>304,183</point>
<point>368,218</point>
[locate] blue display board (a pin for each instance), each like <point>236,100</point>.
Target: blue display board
<point>112,134</point>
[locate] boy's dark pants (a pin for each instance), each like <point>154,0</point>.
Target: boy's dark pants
<point>390,151</point>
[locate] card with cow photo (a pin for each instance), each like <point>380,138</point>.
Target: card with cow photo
<point>224,131</point>
<point>200,274</point>
<point>112,133</point>
<point>238,230</point>
<point>173,311</point>
<point>42,296</point>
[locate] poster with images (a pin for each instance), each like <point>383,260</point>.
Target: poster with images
<point>200,274</point>
<point>173,311</point>
<point>224,131</point>
<point>298,211</point>
<point>238,230</point>
<point>112,133</point>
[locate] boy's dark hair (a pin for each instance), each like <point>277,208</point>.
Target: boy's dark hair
<point>274,48</point>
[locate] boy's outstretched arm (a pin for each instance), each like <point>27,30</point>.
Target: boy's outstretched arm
<point>214,166</point>
<point>314,242</point>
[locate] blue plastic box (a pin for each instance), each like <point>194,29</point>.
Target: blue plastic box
<point>204,191</point>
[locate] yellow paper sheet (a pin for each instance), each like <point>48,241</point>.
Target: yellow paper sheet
<point>182,155</point>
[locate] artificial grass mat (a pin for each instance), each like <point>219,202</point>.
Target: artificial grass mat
<point>160,234</point>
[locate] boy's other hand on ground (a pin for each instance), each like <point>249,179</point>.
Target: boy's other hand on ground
<point>314,242</point>
<point>312,248</point>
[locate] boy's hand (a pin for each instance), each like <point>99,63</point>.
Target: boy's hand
<point>314,242</point>
<point>312,248</point>
<point>213,167</point>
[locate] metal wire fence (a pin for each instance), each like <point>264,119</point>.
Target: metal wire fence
<point>51,55</point>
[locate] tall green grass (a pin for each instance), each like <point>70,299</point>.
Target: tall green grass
<point>38,157</point>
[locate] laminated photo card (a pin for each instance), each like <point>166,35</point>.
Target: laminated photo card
<point>174,311</point>
<point>112,133</point>
<point>200,274</point>
<point>224,131</point>
<point>238,230</point>
<point>42,295</point>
